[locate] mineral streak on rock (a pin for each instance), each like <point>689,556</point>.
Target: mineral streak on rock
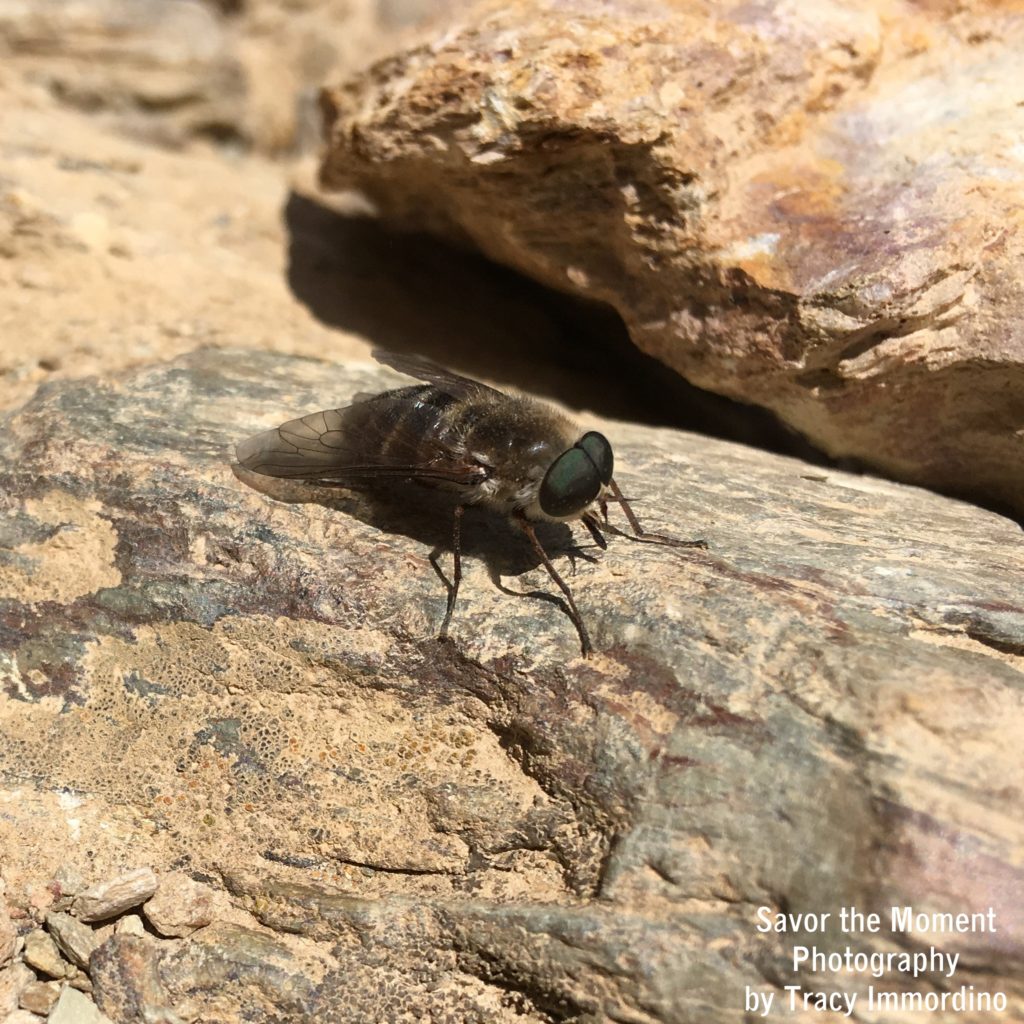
<point>824,708</point>
<point>816,207</point>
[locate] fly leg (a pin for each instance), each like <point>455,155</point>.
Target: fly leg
<point>574,612</point>
<point>639,533</point>
<point>576,551</point>
<point>594,527</point>
<point>453,588</point>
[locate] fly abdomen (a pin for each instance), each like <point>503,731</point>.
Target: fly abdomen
<point>413,424</point>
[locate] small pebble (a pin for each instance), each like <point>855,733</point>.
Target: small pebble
<point>41,953</point>
<point>82,982</point>
<point>75,940</point>
<point>108,899</point>
<point>66,880</point>
<point>130,924</point>
<point>39,996</point>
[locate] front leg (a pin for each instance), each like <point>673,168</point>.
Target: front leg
<point>574,612</point>
<point>639,533</point>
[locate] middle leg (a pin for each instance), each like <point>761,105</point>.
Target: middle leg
<point>453,590</point>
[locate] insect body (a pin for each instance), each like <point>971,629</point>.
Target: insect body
<point>508,453</point>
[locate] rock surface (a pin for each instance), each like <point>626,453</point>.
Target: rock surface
<point>23,1017</point>
<point>815,207</point>
<point>823,709</point>
<point>114,254</point>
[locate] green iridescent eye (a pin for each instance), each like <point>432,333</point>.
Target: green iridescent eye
<point>571,483</point>
<point>600,451</point>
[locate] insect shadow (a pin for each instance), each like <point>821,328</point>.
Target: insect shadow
<point>493,540</point>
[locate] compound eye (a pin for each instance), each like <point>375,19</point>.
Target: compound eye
<point>570,485</point>
<point>600,451</point>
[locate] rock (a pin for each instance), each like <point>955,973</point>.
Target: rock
<point>67,884</point>
<point>812,207</point>
<point>75,940</point>
<point>81,982</point>
<point>224,965</point>
<point>14,978</point>
<point>130,924</point>
<point>8,934</point>
<point>39,996</point>
<point>23,1017</point>
<point>41,953</point>
<point>75,1008</point>
<point>822,709</point>
<point>180,905</point>
<point>128,983</point>
<point>108,899</point>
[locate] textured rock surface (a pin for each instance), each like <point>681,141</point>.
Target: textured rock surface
<point>814,206</point>
<point>8,934</point>
<point>823,709</point>
<point>23,1017</point>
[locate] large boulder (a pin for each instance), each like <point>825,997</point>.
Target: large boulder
<point>823,709</point>
<point>815,207</point>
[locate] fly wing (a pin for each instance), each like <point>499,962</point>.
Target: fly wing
<point>392,436</point>
<point>424,369</point>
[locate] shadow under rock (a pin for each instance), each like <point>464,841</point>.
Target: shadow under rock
<point>414,293</point>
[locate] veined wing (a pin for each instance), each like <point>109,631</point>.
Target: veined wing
<point>396,435</point>
<point>426,370</point>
